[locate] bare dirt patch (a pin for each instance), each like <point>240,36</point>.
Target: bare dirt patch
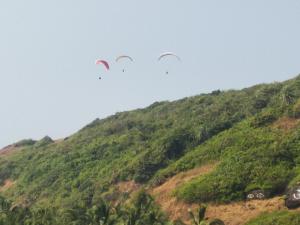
<point>128,186</point>
<point>286,123</point>
<point>181,178</point>
<point>7,150</point>
<point>7,185</point>
<point>232,214</point>
<point>163,193</point>
<point>241,212</point>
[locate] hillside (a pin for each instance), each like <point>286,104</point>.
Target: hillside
<point>249,139</point>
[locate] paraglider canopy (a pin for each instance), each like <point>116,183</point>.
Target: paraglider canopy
<point>102,62</point>
<point>124,57</point>
<point>168,54</point>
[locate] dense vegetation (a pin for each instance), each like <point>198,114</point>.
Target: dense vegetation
<point>241,130</point>
<point>260,158</point>
<point>140,211</point>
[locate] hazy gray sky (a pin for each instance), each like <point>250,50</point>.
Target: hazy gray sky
<point>49,83</point>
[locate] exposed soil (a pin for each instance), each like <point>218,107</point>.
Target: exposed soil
<point>286,123</point>
<point>232,214</point>
<point>181,178</point>
<point>7,184</point>
<point>163,193</point>
<point>241,212</point>
<point>128,186</point>
<point>7,150</point>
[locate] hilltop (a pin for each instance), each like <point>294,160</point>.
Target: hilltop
<point>211,148</point>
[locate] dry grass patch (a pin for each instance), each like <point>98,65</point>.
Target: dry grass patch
<point>232,214</point>
<point>7,185</point>
<point>128,186</point>
<point>241,212</point>
<point>286,123</point>
<point>163,193</point>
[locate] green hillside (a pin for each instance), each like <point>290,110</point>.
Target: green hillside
<point>253,134</point>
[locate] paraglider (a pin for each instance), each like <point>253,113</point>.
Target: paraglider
<point>168,54</point>
<point>123,57</point>
<point>102,62</point>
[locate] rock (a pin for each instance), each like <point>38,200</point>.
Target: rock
<point>292,200</point>
<point>44,141</point>
<point>256,194</point>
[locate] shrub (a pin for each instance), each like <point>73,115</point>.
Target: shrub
<point>264,118</point>
<point>296,109</point>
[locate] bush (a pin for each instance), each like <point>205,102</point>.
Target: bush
<point>25,142</point>
<point>296,110</point>
<point>254,160</point>
<point>263,119</point>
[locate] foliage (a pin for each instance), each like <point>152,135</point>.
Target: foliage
<point>296,109</point>
<point>142,210</point>
<point>233,128</point>
<point>25,142</point>
<point>263,161</point>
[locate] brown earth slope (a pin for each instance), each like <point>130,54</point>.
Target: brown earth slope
<point>286,123</point>
<point>7,150</point>
<point>163,193</point>
<point>232,214</point>
<point>7,184</point>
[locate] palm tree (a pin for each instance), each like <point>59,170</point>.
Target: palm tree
<point>143,211</point>
<point>43,216</point>
<point>102,214</point>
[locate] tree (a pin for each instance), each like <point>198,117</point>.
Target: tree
<point>102,214</point>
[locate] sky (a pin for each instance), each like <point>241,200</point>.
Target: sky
<point>49,83</point>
